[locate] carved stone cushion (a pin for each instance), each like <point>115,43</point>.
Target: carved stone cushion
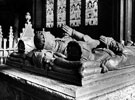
<point>83,69</point>
<point>16,59</point>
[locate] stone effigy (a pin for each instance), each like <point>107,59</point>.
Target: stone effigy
<point>71,58</point>
<point>85,50</point>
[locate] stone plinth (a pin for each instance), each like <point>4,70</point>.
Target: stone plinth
<point>115,85</point>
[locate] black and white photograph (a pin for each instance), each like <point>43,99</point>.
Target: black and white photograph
<point>67,49</point>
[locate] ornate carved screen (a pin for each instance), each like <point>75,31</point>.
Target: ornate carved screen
<point>91,12</point>
<point>75,12</point>
<point>61,13</point>
<point>49,13</point>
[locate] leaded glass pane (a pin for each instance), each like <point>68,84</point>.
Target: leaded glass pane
<point>75,12</point>
<point>91,12</point>
<point>50,13</point>
<point>61,13</point>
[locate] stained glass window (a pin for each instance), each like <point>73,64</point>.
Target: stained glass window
<point>91,12</point>
<point>75,12</point>
<point>50,13</point>
<point>61,13</point>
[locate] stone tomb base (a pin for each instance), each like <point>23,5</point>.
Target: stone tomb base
<point>17,84</point>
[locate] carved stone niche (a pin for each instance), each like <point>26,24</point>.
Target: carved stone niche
<point>27,36</point>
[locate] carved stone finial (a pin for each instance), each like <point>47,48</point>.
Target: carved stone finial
<point>27,31</point>
<point>11,30</point>
<point>11,33</point>
<point>28,17</point>
<point>11,37</point>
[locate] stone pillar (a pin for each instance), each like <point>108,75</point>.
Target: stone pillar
<point>128,20</point>
<point>121,20</point>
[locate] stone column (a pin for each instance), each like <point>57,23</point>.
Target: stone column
<point>121,19</point>
<point>128,20</point>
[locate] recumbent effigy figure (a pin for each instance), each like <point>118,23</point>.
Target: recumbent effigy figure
<point>111,56</point>
<point>45,41</point>
<point>75,46</point>
<point>74,53</point>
